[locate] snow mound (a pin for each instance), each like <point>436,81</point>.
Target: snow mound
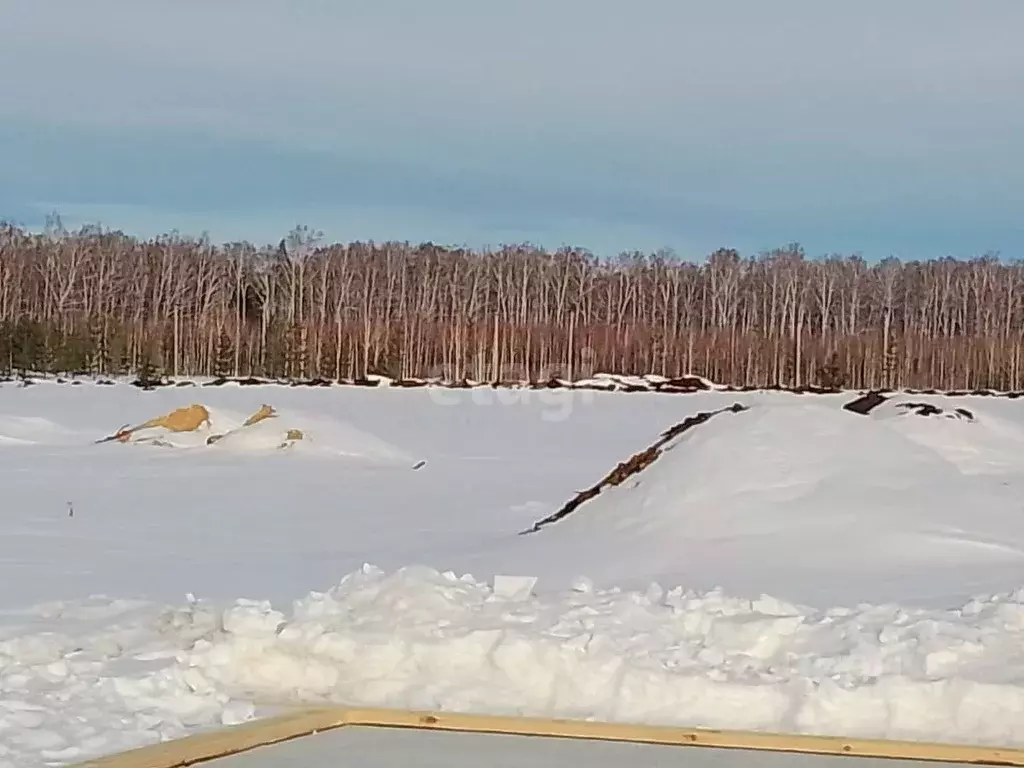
<point>801,493</point>
<point>29,430</point>
<point>92,677</point>
<point>321,435</point>
<point>648,382</point>
<point>233,431</point>
<point>417,638</point>
<point>971,437</point>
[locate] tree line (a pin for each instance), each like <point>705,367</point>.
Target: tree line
<point>103,302</point>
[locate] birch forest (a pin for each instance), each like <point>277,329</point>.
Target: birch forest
<point>101,302</point>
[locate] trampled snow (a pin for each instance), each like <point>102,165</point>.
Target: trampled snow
<point>890,545</point>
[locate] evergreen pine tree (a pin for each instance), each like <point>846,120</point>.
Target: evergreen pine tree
<point>223,356</point>
<point>831,374</point>
<point>6,348</point>
<point>48,353</point>
<point>148,375</point>
<point>26,352</point>
<point>98,360</point>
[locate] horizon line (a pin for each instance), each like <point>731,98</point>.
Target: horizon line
<point>54,223</point>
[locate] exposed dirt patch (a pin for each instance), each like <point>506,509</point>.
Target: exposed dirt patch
<point>634,465</point>
<point>928,409</point>
<point>314,382</point>
<point>865,403</point>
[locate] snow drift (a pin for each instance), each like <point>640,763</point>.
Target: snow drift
<point>265,430</point>
<point>802,493</point>
<point>417,638</point>
<point>975,440</point>
<point>18,430</point>
<point>124,674</point>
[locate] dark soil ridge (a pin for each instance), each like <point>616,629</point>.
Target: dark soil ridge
<point>683,385</point>
<point>634,465</point>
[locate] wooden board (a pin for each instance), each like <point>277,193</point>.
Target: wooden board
<point>207,746</point>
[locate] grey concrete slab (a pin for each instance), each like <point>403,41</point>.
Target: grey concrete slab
<point>381,747</point>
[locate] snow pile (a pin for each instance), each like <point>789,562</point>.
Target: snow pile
<point>975,439</point>
<point>17,430</point>
<point>77,685</point>
<point>420,639</point>
<point>320,435</point>
<point>229,430</point>
<point>648,382</point>
<point>782,495</point>
<point>330,437</point>
<point>102,676</point>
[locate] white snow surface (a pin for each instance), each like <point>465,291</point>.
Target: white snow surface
<point>893,504</point>
<point>793,567</point>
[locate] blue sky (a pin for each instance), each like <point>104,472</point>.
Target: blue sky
<point>873,127</point>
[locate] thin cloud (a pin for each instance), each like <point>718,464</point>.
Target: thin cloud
<point>738,121</point>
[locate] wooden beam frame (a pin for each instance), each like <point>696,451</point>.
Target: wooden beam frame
<point>203,747</point>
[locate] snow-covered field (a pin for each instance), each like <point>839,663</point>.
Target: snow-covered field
<point>793,566</point>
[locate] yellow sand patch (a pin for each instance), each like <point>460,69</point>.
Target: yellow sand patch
<point>265,412</point>
<point>186,419</point>
<point>191,418</point>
